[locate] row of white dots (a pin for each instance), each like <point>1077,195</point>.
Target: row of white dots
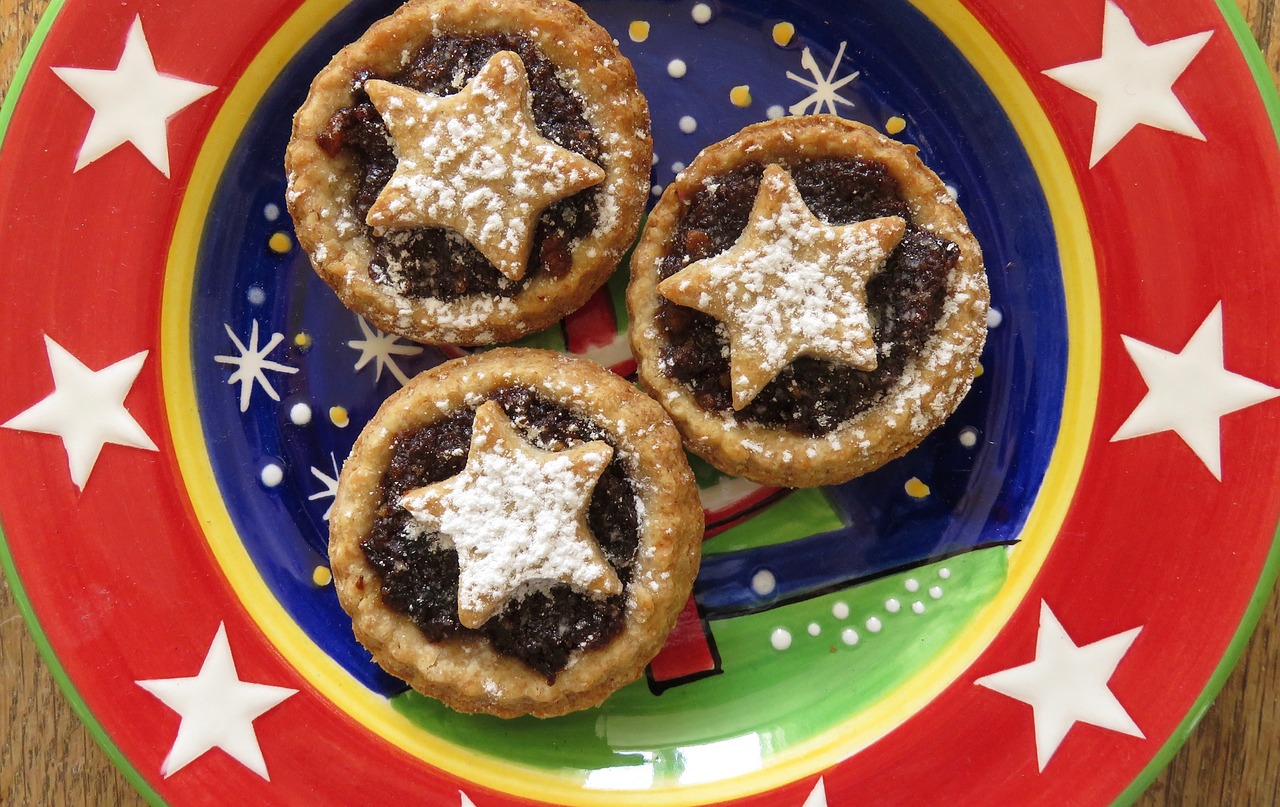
<point>764,582</point>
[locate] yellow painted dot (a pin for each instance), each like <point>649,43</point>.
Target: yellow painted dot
<point>321,576</point>
<point>895,125</point>
<point>638,30</point>
<point>740,95</point>
<point>280,243</point>
<point>302,340</point>
<point>782,34</point>
<point>916,489</point>
<point>978,371</point>
<point>338,415</point>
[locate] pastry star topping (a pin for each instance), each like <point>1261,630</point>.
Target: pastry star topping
<point>790,286</point>
<point>475,163</point>
<point>516,515</point>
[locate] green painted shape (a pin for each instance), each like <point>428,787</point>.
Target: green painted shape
<point>1271,568</point>
<point>802,513</point>
<point>704,473</point>
<point>764,702</point>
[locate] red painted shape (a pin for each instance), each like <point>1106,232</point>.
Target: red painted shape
<point>688,650</point>
<point>727,517</point>
<point>592,326</point>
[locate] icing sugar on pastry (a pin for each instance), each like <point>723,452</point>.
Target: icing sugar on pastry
<point>516,516</point>
<point>474,162</point>
<point>790,286</point>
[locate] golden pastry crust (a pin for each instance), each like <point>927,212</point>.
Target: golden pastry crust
<point>933,382</point>
<point>466,672</point>
<point>321,188</point>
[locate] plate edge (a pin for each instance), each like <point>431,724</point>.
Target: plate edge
<point>78,705</point>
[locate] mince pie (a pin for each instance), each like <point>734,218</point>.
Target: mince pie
<point>469,171</point>
<point>515,532</point>
<point>807,301</point>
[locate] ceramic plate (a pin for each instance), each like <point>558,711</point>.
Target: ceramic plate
<point>1032,607</point>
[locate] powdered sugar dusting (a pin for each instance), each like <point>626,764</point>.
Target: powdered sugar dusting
<point>791,285</point>
<point>474,162</point>
<point>515,517</point>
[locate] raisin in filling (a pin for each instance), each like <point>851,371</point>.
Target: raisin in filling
<point>904,300</point>
<point>420,580</point>
<point>436,262</point>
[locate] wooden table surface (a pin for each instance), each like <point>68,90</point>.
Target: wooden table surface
<point>49,759</point>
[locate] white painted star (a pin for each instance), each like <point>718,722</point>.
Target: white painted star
<point>252,363</point>
<point>86,409</point>
<point>381,348</point>
<point>826,88</point>
<point>132,103</point>
<point>330,485</point>
<point>464,800</point>
<point>217,710</point>
<point>817,796</point>
<point>1189,392</point>
<point>1067,684</point>
<point>1132,82</point>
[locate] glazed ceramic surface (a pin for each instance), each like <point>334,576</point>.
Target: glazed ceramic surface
<point>1031,607</point>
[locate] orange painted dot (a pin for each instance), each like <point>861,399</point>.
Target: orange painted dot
<point>322,576</point>
<point>978,371</point>
<point>302,340</point>
<point>916,489</point>
<point>894,125</point>
<point>280,243</point>
<point>782,34</point>
<point>740,95</point>
<point>638,30</point>
<point>339,417</point>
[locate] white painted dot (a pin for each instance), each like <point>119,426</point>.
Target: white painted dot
<point>874,624</point>
<point>255,295</point>
<point>677,168</point>
<point>701,13</point>
<point>892,605</point>
<point>654,161</point>
<point>994,318</point>
<point>935,592</point>
<point>300,414</point>
<point>271,212</point>
<point>912,585</point>
<point>944,573</point>
<point>814,629</point>
<point>676,68</point>
<point>953,192</point>
<point>840,611</point>
<point>689,125</point>
<point>918,607</point>
<point>969,437</point>
<point>774,112</point>
<point>780,639</point>
<point>849,636</point>
<point>763,582</point>
<point>656,190</point>
<point>271,475</point>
